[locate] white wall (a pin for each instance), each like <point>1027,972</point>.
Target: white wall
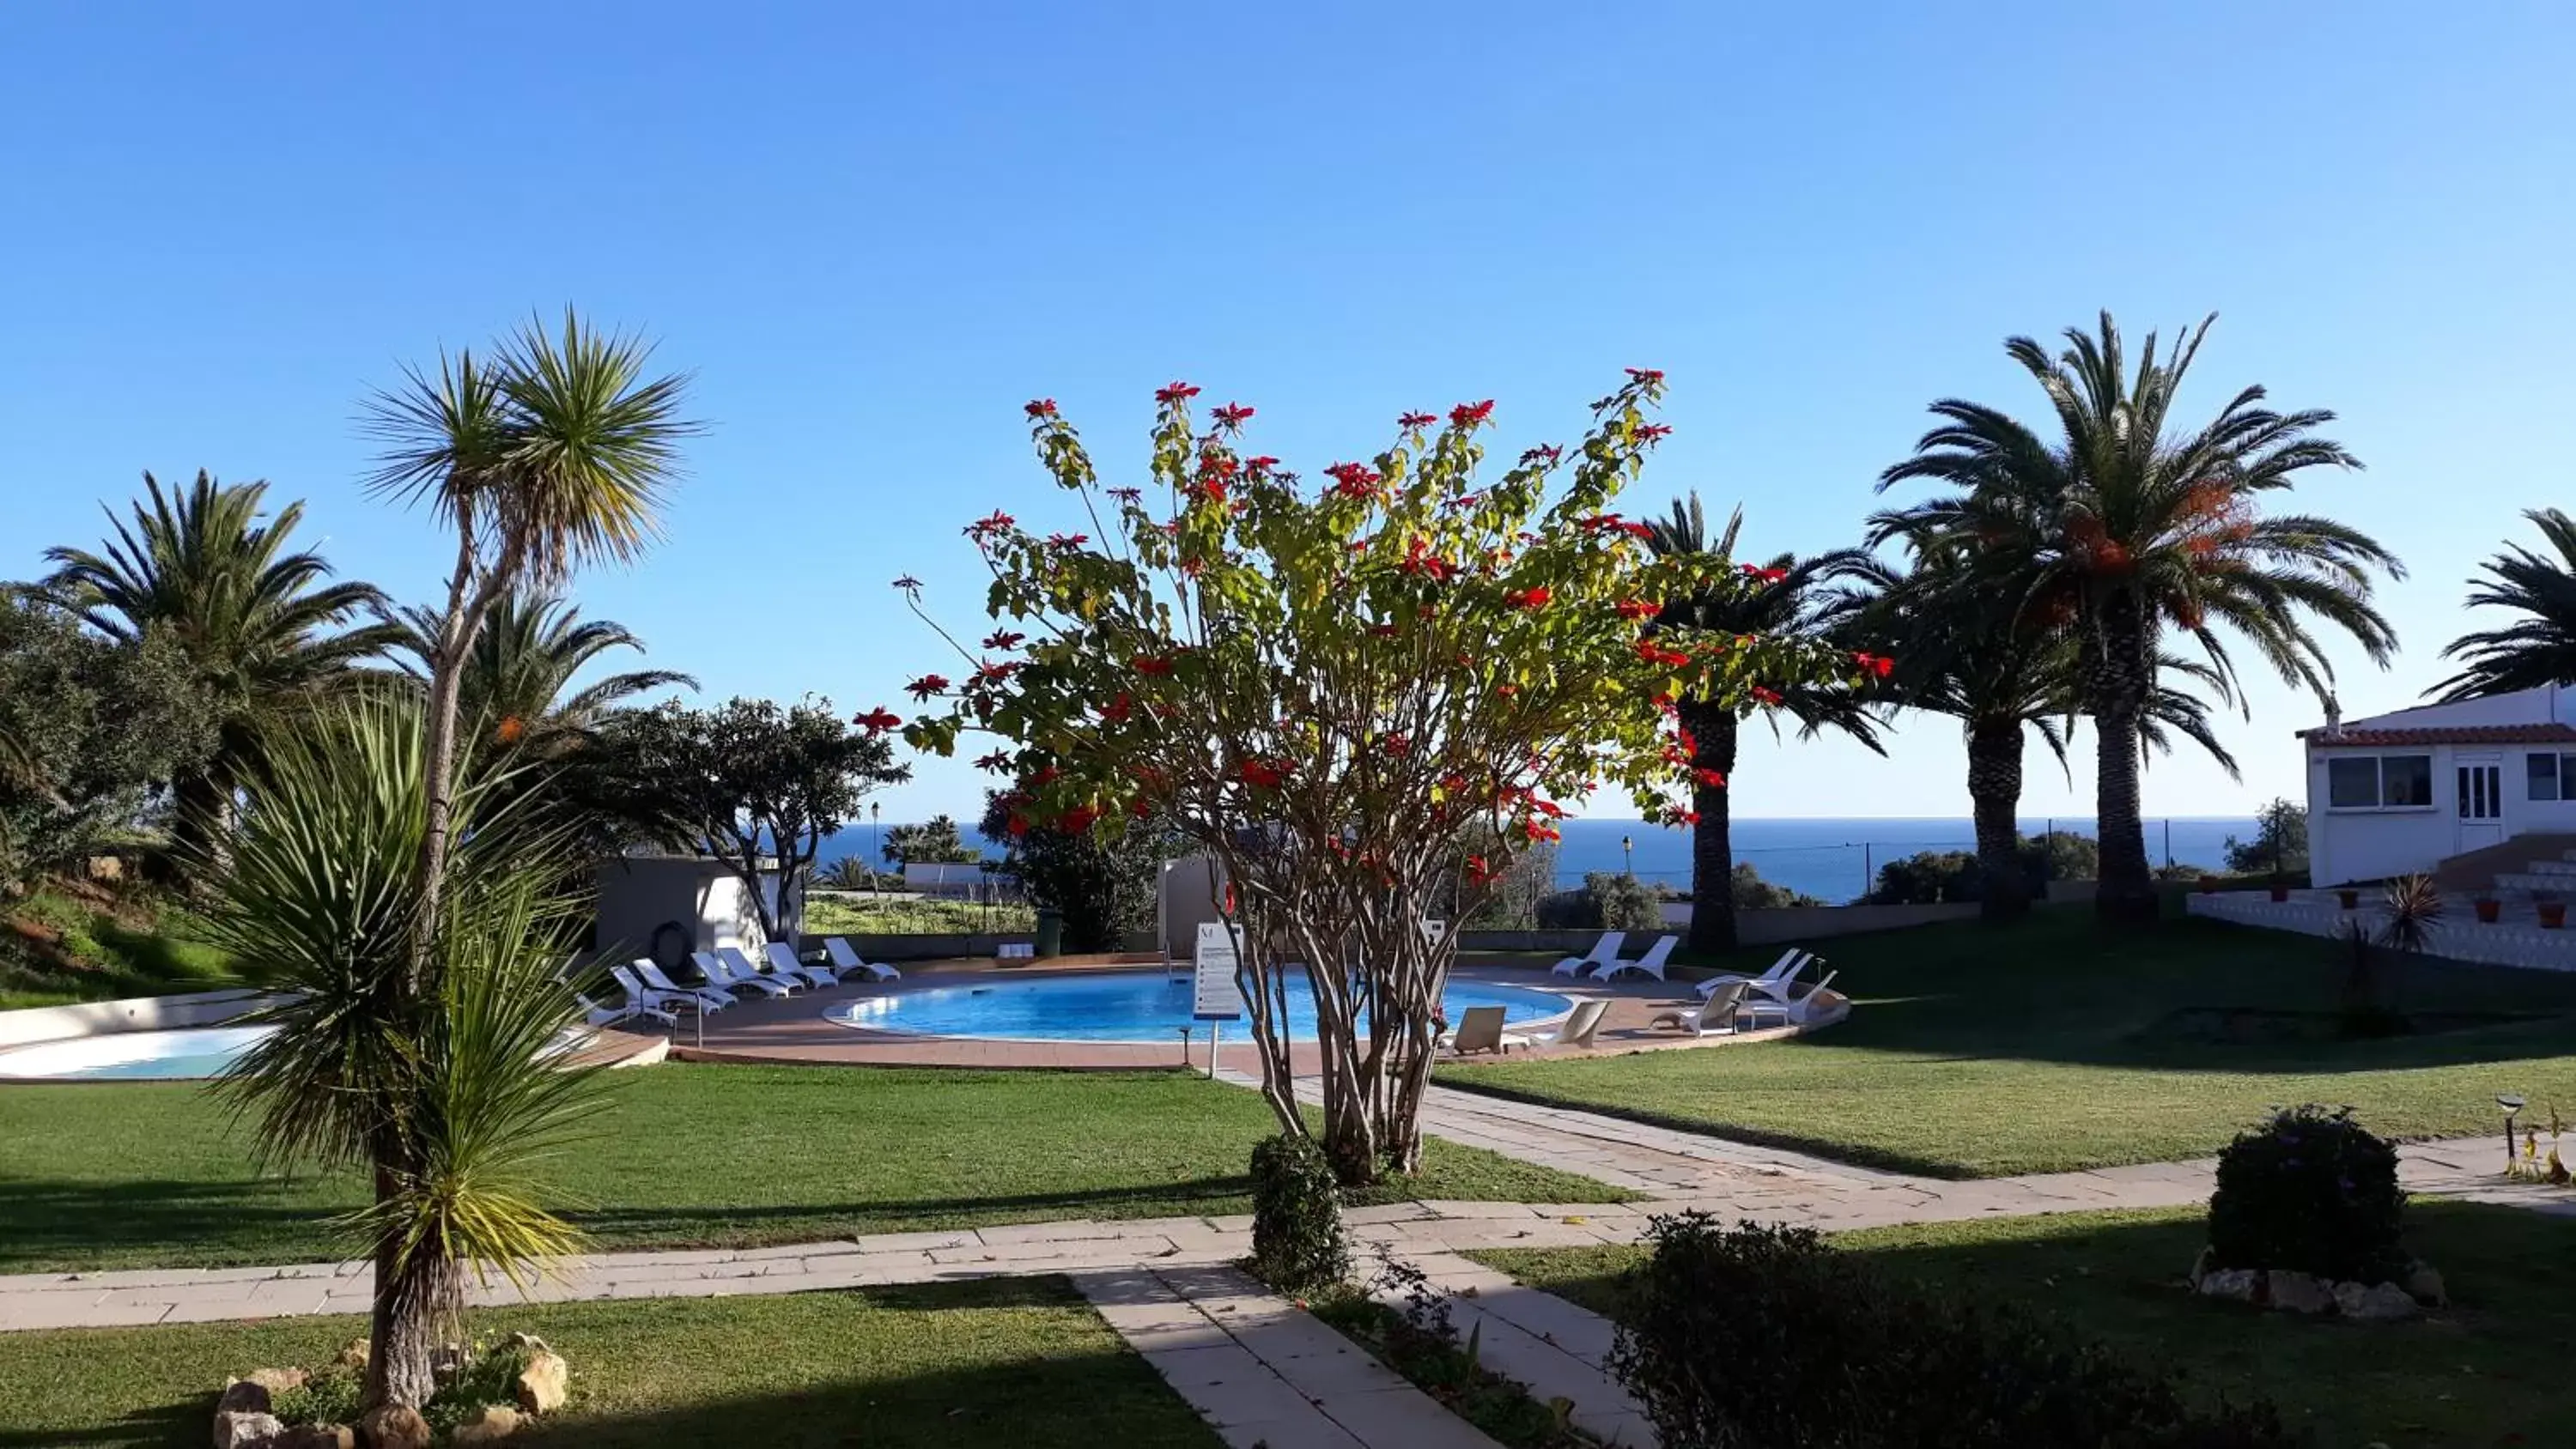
<point>2529,706</point>
<point>706,900</point>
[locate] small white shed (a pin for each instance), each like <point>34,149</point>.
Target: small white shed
<point>666,906</point>
<point>2402,792</point>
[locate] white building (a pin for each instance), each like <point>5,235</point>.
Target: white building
<point>2399,793</point>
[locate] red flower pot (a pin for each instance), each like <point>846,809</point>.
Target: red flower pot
<point>2553,915</point>
<point>2487,911</point>
<point>2348,899</point>
<point>2280,893</point>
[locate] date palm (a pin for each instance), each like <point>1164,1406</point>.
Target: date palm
<point>1785,600</point>
<point>259,621</point>
<point>2539,648</point>
<point>553,453</point>
<point>2133,529</point>
<point>1963,652</point>
<point>517,687</point>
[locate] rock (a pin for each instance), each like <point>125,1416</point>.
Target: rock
<point>2302,1293</point>
<point>319,1436</point>
<point>543,1382</point>
<point>236,1429</point>
<point>243,1396</point>
<point>493,1424</point>
<point>2424,1285</point>
<point>392,1426</point>
<point>2201,1265</point>
<point>2241,1284</point>
<point>355,1355</point>
<point>2379,1303</point>
<point>278,1381</point>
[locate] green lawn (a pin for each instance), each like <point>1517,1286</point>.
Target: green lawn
<point>154,1174</point>
<point>2491,1370</point>
<point>858,914</point>
<point>1021,1363</point>
<point>1976,1052</point>
<point>143,948</point>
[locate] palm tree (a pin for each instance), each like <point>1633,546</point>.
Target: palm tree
<point>466,1080</point>
<point>2533,651</point>
<point>257,620</point>
<point>1782,599</point>
<point>1962,652</point>
<point>522,663</point>
<point>2128,530</point>
<point>553,454</point>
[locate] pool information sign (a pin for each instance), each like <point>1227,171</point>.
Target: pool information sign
<point>1214,996</point>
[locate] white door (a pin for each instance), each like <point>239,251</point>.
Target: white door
<point>2480,801</point>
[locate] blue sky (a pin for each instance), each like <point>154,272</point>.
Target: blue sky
<point>872,233</point>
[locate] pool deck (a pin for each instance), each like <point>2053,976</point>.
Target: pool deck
<point>793,1032</point>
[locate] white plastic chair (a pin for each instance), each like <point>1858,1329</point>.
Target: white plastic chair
<point>715,998</point>
<point>720,973</point>
<point>1792,1010</point>
<point>1581,1025</point>
<point>1786,969</point>
<point>739,962</point>
<point>783,961</point>
<point>1652,963</point>
<point>1603,952</point>
<point>845,959</point>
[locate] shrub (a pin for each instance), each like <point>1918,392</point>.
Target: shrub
<point>1816,1347</point>
<point>1607,901</point>
<point>2311,1191</point>
<point>1297,1242</point>
<point>331,1395</point>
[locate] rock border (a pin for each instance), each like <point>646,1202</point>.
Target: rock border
<point>244,1417</point>
<point>2306,1293</point>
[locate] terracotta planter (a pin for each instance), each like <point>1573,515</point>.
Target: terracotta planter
<point>2488,910</point>
<point>2209,885</point>
<point>2553,915</point>
<point>2280,893</point>
<point>2348,899</point>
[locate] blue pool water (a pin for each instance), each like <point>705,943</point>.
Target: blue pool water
<point>1125,1006</point>
<point>133,1055</point>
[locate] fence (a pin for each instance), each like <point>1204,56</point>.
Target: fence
<point>2317,913</point>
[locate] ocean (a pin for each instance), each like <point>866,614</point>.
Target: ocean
<point>1830,859</point>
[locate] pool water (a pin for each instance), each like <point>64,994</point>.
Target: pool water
<point>133,1055</point>
<point>1123,1006</point>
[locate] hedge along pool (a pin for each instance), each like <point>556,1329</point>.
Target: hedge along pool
<point>1123,1006</point>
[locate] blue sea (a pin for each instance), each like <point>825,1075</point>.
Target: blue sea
<point>1830,859</point>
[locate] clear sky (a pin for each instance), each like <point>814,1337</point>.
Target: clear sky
<point>873,232</point>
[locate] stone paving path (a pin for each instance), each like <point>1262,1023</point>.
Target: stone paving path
<point>1553,1348</point>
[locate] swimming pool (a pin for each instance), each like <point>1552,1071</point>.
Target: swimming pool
<point>132,1055</point>
<point>1122,1006</point>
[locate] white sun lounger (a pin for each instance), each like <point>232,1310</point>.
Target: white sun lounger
<point>739,962</point>
<point>1652,963</point>
<point>638,1003</point>
<point>720,973</point>
<point>715,997</point>
<point>1792,1010</point>
<point>845,959</point>
<point>783,961</point>
<point>1480,1029</point>
<point>1786,969</point>
<point>1581,1025</point>
<point>1603,952</point>
<point>1717,1016</point>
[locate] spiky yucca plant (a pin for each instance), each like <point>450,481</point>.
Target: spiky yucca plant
<point>464,1086</point>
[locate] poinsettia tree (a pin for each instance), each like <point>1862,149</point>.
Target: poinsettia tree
<point>1360,696</point>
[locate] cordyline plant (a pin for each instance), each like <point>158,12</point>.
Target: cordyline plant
<point>1358,698</point>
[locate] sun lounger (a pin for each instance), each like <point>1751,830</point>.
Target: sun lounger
<point>1652,963</point>
<point>638,1003</point>
<point>783,961</point>
<point>1603,952</point>
<point>1480,1029</point>
<point>716,997</point>
<point>720,973</point>
<point>1581,1025</point>
<point>739,962</point>
<point>845,959</point>
<point>1792,1010</point>
<point>1786,969</point>
<point>1717,1016</point>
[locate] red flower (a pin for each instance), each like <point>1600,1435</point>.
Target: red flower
<point>1507,690</point>
<point>1046,775</point>
<point>1042,408</point>
<point>1877,665</point>
<point>1117,710</point>
<point>1468,415</point>
<point>1766,695</point>
<point>1262,464</point>
<point>1354,480</point>
<point>1594,523</point>
<point>1478,872</point>
<point>991,524</point>
<point>1004,639</point>
<point>1528,598</point>
<point>927,685</point>
<point>1262,774</point>
<point>1152,664</point>
<point>1645,374</point>
<point>1643,532</point>
<point>1017,825</point>
<point>878,720</point>
<point>1547,453</point>
<point>995,763</point>
<point>1141,807</point>
<point>1537,830</point>
<point>1637,609</point>
<point>1383,631</point>
<point>1232,415</point>
<point>1654,653</point>
<point>1175,392</point>
<point>1213,487</point>
<point>1714,779</point>
<point>988,672</point>
<point>1413,421</point>
<point>1654,432</point>
<point>1419,559</point>
<point>1067,540</point>
<point>1078,820</point>
<point>1676,815</point>
<point>1466,500</point>
<point>1768,576</point>
<point>1397,745</point>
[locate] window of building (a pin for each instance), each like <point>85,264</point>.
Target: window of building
<point>2379,782</point>
<point>2550,777</point>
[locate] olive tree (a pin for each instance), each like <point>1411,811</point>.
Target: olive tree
<point>1357,697</point>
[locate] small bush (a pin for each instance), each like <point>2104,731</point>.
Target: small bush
<point>1762,1336</point>
<point>1607,901</point>
<point>2311,1191</point>
<point>331,1395</point>
<point>1297,1242</point>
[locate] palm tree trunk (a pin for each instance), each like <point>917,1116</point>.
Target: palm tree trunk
<point>2119,684</point>
<point>418,1298</point>
<point>1712,923</point>
<point>201,827</point>
<point>1994,792</point>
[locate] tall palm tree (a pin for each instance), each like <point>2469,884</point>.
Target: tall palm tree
<point>2129,528</point>
<point>553,453</point>
<point>1782,599</point>
<point>1961,651</point>
<point>525,659</point>
<point>2538,649</point>
<point>259,622</point>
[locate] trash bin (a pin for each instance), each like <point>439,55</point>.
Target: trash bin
<point>1050,932</point>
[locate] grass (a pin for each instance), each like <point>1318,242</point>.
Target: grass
<point>156,1174</point>
<point>2491,1370</point>
<point>1021,1363</point>
<point>857,914</point>
<point>1979,1052</point>
<point>140,946</point>
<point>1427,1353</point>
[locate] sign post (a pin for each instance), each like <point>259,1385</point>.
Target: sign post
<point>1214,996</point>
